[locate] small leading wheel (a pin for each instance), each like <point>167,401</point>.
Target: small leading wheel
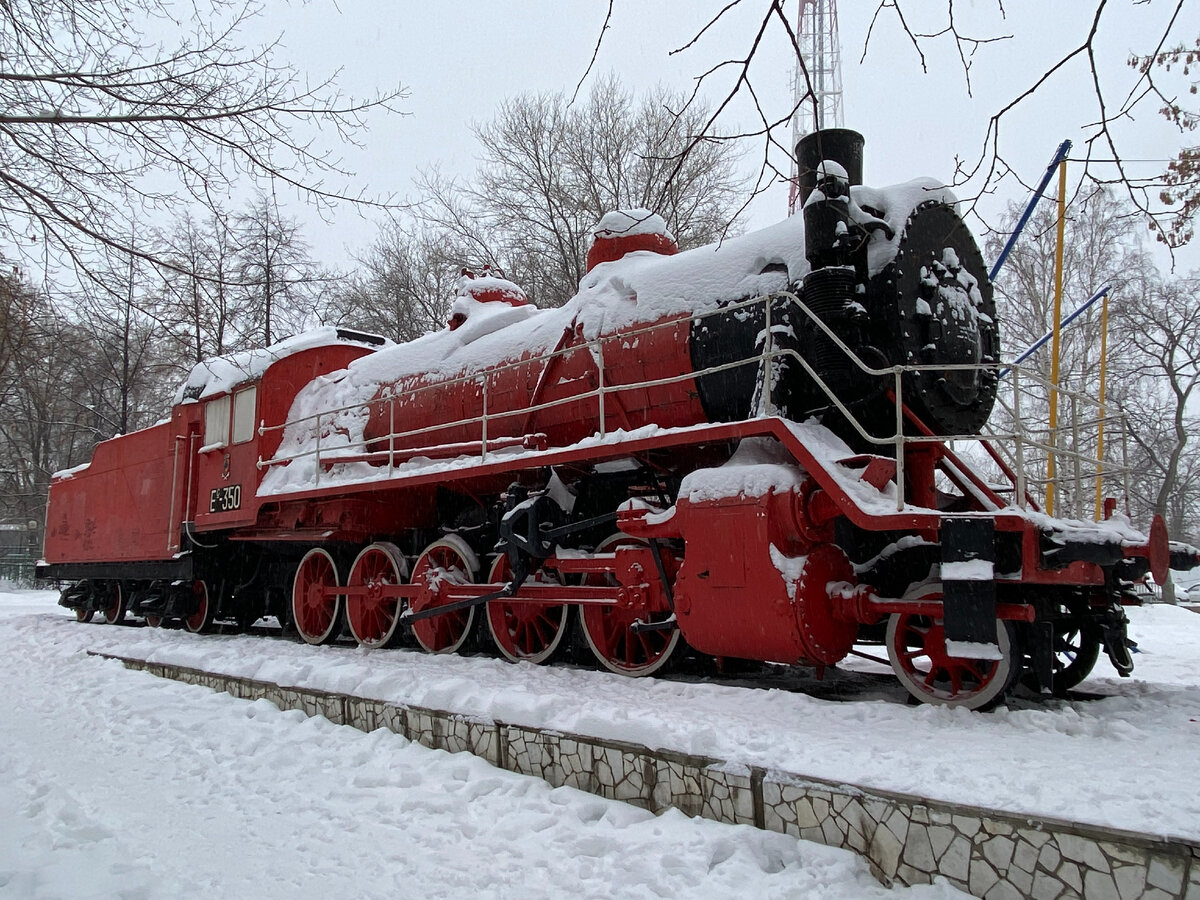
<point>84,615</point>
<point>1076,649</point>
<point>1075,653</point>
<point>608,629</point>
<point>113,599</point>
<point>374,619</point>
<point>448,561</point>
<point>916,646</point>
<point>525,631</point>
<point>154,621</point>
<point>201,619</point>
<point>316,605</point>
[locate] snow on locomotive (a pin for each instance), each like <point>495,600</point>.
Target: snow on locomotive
<point>741,449</point>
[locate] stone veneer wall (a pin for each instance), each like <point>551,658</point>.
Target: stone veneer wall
<point>906,839</point>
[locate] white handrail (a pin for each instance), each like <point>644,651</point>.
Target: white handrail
<point>1024,439</point>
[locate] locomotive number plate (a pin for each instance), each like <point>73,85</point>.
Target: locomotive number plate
<point>225,499</point>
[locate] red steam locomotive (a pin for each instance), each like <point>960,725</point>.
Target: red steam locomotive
<point>741,449</point>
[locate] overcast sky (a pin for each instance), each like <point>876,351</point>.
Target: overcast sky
<point>460,58</point>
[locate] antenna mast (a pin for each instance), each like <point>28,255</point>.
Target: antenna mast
<point>817,29</point>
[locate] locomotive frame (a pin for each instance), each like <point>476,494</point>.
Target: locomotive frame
<point>767,499</point>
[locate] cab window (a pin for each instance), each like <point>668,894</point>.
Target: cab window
<point>243,414</point>
<point>216,422</point>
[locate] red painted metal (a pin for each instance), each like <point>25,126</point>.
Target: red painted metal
<point>917,646</point>
<point>1159,550</point>
<point>237,463</point>
<point>128,505</point>
<point>748,554</point>
<point>608,249</point>
<point>442,564</point>
<point>202,618</point>
<point>608,629</point>
<point>114,609</point>
<point>525,631</point>
<point>316,603</point>
<point>372,611</point>
<point>561,388</point>
<point>437,451</point>
<point>867,608</point>
<point>757,577</point>
<point>122,507</point>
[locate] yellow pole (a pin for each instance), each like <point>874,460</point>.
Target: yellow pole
<point>1054,347</point>
<point>1103,410</point>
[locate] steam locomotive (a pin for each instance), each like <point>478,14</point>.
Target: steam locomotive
<point>740,450</point>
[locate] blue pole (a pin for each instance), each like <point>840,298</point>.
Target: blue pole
<point>1040,342</point>
<point>1063,149</point>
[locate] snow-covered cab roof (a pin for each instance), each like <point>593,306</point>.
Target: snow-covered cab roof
<point>221,374</point>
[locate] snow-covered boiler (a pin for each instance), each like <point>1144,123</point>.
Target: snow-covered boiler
<point>919,296</point>
<point>739,448</point>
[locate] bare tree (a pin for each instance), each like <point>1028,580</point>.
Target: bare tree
<point>549,170</point>
<point>126,358</point>
<point>1102,246</point>
<point>196,302</point>
<point>1154,345</point>
<point>405,285</point>
<point>1181,190</point>
<point>278,279</point>
<point>1165,216</point>
<point>46,421</point>
<point>1161,75</point>
<point>1160,351</point>
<point>99,100</point>
<point>16,316</point>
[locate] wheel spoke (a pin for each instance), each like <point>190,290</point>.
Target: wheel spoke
<point>932,676</point>
<point>315,601</point>
<point>449,561</point>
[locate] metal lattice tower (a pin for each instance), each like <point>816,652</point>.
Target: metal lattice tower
<point>817,29</point>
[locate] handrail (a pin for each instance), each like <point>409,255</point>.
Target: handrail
<point>1024,439</point>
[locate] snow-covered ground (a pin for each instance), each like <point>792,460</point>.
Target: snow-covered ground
<point>117,784</point>
<point>112,780</point>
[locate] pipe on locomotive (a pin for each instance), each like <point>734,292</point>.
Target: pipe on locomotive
<point>931,304</point>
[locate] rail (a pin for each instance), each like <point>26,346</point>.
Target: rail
<point>1014,457</point>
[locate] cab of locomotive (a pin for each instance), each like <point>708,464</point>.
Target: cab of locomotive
<point>240,425</point>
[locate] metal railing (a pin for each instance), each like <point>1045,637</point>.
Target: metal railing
<point>1019,453</point>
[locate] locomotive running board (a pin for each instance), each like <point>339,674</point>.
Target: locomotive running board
<point>861,502</point>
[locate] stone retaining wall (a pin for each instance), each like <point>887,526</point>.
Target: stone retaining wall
<point>907,839</point>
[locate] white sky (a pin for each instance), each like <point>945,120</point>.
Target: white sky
<point>461,58</point>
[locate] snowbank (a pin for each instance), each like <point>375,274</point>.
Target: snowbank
<point>1084,760</point>
<point>118,784</point>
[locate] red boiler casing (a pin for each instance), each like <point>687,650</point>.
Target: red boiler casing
<point>516,385</point>
<point>548,385</point>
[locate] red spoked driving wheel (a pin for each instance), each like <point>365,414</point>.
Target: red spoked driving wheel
<point>608,630</point>
<point>113,599</point>
<point>916,646</point>
<point>445,562</point>
<point>374,618</point>
<point>316,605</point>
<point>201,619</point>
<point>529,632</point>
